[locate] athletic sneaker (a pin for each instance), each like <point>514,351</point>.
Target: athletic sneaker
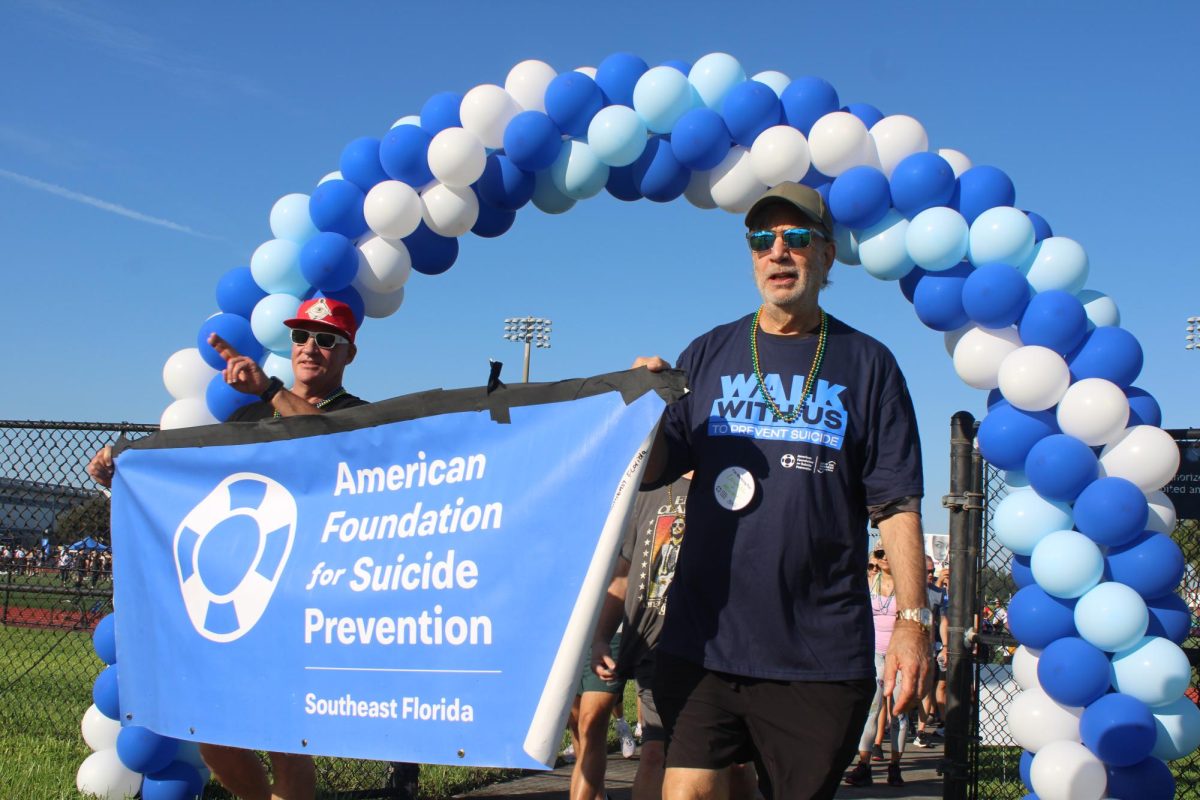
<point>923,741</point>
<point>860,775</point>
<point>628,745</point>
<point>568,753</point>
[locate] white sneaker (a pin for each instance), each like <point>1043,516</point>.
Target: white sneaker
<point>568,753</point>
<point>628,744</point>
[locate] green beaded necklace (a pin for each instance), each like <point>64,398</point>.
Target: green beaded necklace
<point>341,391</point>
<point>809,382</point>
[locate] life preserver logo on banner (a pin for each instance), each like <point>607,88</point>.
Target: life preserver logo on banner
<point>230,551</point>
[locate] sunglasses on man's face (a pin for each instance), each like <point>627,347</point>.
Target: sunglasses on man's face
<point>324,339</point>
<point>793,239</point>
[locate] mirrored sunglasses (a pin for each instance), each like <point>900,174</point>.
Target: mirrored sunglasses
<point>793,238</point>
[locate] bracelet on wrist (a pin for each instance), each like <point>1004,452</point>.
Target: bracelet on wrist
<point>273,387</point>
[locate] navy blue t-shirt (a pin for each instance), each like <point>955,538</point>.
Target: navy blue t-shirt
<point>777,588</point>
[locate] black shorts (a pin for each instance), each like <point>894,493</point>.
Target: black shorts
<point>805,732</point>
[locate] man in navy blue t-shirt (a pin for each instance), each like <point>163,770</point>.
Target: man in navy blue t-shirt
<point>800,430</point>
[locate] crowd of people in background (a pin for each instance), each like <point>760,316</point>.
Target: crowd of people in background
<point>73,567</point>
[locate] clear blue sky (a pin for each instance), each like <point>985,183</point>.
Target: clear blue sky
<point>142,146</point>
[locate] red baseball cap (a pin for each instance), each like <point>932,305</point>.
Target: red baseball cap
<point>325,314</point>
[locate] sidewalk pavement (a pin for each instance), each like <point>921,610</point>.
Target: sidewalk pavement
<point>920,775</point>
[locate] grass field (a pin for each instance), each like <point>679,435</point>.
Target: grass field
<point>46,681</point>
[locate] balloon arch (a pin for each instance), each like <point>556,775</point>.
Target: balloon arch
<point>1102,673</point>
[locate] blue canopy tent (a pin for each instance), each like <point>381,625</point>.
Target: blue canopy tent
<point>88,543</point>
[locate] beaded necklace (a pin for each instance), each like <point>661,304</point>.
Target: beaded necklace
<point>341,391</point>
<point>809,382</point>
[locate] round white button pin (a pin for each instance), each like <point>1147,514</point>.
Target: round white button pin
<point>734,488</point>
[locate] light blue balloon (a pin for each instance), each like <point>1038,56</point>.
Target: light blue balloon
<point>547,197</point>
<point>1112,616</point>
<point>1066,564</point>
<point>1002,234</point>
<point>1024,517</point>
<point>1155,671</point>
<point>290,219</point>
<point>410,119</point>
<point>1016,478</point>
<point>937,238</point>
<point>776,80</point>
<point>1056,263</point>
<point>1101,309</point>
<point>577,172</point>
<point>882,250</point>
<point>847,245</point>
<point>279,366</point>
<point>713,76</point>
<point>1178,726</point>
<point>267,321</point>
<point>275,266</point>
<point>661,96</point>
<point>617,135</point>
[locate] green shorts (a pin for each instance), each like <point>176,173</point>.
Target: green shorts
<point>589,682</point>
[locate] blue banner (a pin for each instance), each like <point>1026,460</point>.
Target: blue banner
<point>415,590</point>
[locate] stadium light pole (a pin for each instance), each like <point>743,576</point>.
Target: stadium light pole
<point>532,331</point>
<point>1192,339</point>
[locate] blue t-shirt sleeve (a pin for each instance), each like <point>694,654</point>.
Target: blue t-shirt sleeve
<point>677,426</point>
<point>892,464</point>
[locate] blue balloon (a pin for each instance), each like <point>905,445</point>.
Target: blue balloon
<point>329,261</point>
<point>1023,767</point>
<point>700,139</point>
<point>749,109</point>
<point>806,100</point>
<point>622,184</point>
<point>1036,619</point>
<point>1041,228</point>
<point>532,141</point>
<point>337,206</point>
<point>1151,564</point>
<point>1110,353</point>
<point>675,63</point>
<point>1007,434</point>
<point>233,329</point>
<point>350,297</point>
<point>938,298</point>
<point>1054,319</point>
<point>440,112</point>
<point>859,197</point>
<point>920,181</point>
<point>104,693</point>
<point>995,295</point>
<point>908,284</point>
<point>1073,672</point>
<point>816,179</point>
<point>1149,779</point>
<point>237,293</point>
<point>658,174</point>
<point>505,185</point>
<point>142,750</point>
<point>866,112</point>
<point>1170,618</point>
<point>572,99</point>
<point>1022,571</point>
<point>492,221</point>
<point>616,76</point>
<point>1111,511</point>
<point>981,188</point>
<point>1024,517</point>
<point>1060,467</point>
<point>177,781</point>
<point>222,399</point>
<point>1118,728</point>
<point>360,164</point>
<point>1067,564</point>
<point>404,155</point>
<point>431,254</point>
<point>1143,408</point>
<point>104,639</point>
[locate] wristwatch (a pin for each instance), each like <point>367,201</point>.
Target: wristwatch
<point>922,616</point>
<point>273,387</point>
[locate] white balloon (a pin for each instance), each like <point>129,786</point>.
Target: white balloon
<point>1035,720</point>
<point>336,175</point>
<point>102,774</point>
<point>486,111</point>
<point>589,71</point>
<point>1094,411</point>
<point>1067,770</point>
<point>278,366</point>
<point>392,209</point>
<point>1101,309</point>
<point>838,141</point>
<point>385,265</point>
<point>99,731</point>
<point>449,210</point>
<point>733,183</point>
<point>1162,513</point>
<point>957,160</point>
<point>697,191</point>
<point>186,374</point>
<point>896,138</point>
<point>378,305</point>
<point>186,413</point>
<point>1024,666</point>
<point>980,352</point>
<point>1033,378</point>
<point>527,82</point>
<point>456,157</point>
<point>776,80</point>
<point>408,119</point>
<point>779,154</point>
<point>1143,454</point>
